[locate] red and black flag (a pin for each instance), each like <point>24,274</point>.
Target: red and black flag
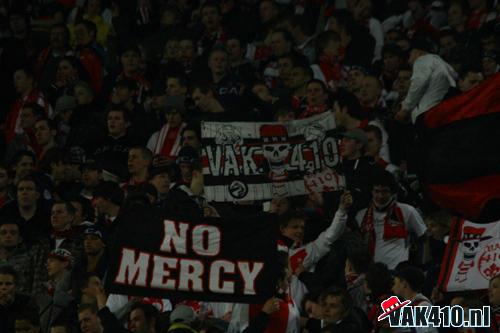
<point>460,148</point>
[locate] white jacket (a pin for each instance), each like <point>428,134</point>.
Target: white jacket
<point>430,81</point>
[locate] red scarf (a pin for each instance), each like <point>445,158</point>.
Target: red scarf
<point>332,69</point>
<point>394,225</point>
<point>312,110</point>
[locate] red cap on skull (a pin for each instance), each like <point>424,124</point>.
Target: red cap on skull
<point>273,133</point>
<point>473,233</point>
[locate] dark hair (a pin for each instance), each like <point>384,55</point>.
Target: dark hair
<point>69,207</point>
<point>338,292</point>
<point>285,33</point>
<point>296,61</point>
<point>150,312</point>
<point>63,322</point>
<point>312,296</point>
<point>83,75</point>
<point>38,111</point>
<point>192,127</point>
<point>53,155</point>
<point>375,130</point>
<point>110,191</point>
<point>360,258</point>
<point>30,178</point>
<point>212,4</point>
<point>386,179</point>
<point>323,39</point>
<point>7,169</point>
<point>321,83</point>
<point>183,81</point>
<point>20,154</point>
<point>306,69</point>
<point>146,153</point>
<point>9,270</point>
<point>50,123</point>
<point>344,19</point>
<point>347,100</point>
<point>379,279</point>
<point>89,25</point>
<point>88,306</point>
<point>289,216</point>
<point>117,108</point>
<point>28,70</point>
<point>303,23</point>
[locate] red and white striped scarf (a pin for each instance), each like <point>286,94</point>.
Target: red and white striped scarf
<point>160,141</point>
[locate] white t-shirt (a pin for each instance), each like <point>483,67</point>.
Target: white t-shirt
<point>393,251</point>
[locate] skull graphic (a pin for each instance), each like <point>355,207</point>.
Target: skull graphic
<point>470,244</point>
<point>275,148</point>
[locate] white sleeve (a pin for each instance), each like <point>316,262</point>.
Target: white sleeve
<point>151,142</point>
<point>377,31</point>
<point>415,222</point>
<point>317,249</point>
<point>422,71</point>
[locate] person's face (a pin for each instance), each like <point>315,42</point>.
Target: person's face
<point>78,217</point>
<point>9,236</point>
<point>494,292</point>
<point>201,100</point>
<point>339,114</point>
<point>470,80</point>
<point>403,83</point>
<point>161,182</point>
<point>186,171</point>
<point>436,230</point>
<point>7,289</point>
<point>285,66</point>
<point>233,47</point>
<point>117,126</point>
<point>298,78</point>
<point>91,178</point>
<point>130,61</point>
<point>136,161</point>
<point>24,326</point>
<point>58,329</point>
<point>316,96</point>
<point>374,144</point>
<point>55,267</point>
<point>25,166</point>
<point>174,118</point>
<point>456,16</point>
<point>282,205</point>
<point>391,62</point>
<point>59,170</point>
<point>262,91</point>
<point>82,95</point>
<point>27,118</point>
<point>93,245</point>
<point>89,322</point>
<point>186,50</point>
<point>60,218</point>
<point>82,35</point>
<point>447,44</point>
<point>22,82</point>
<point>414,55</point>
<point>138,323</point>
<point>266,11</point>
<point>294,230</point>
<point>43,133</point>
<point>489,43</point>
<point>333,309</point>
<point>489,67</point>
<point>332,48</point>
<point>370,90</point>
<point>58,38</point>
<point>279,45</point>
<point>218,62</point>
<point>349,148</point>
<point>210,18</point>
<point>122,94</point>
<point>93,7</point>
<point>101,205</point>
<point>381,195</point>
<point>313,310</point>
<point>174,87</point>
<point>171,50</point>
<point>27,194</point>
<point>66,71</point>
<point>17,24</point>
<point>4,179</point>
<point>355,80</point>
<point>399,286</point>
<point>189,138</point>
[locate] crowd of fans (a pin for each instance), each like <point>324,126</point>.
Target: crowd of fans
<point>101,103</point>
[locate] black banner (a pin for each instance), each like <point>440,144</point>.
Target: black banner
<point>214,260</point>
